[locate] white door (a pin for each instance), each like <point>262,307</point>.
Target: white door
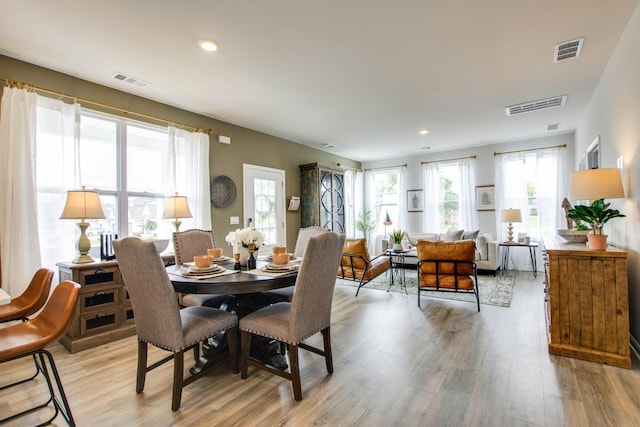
<point>263,194</point>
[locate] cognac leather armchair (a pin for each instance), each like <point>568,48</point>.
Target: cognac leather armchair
<point>447,267</point>
<point>357,265</point>
<point>29,339</point>
<point>31,300</point>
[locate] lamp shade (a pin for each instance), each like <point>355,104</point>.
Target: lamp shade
<point>82,204</point>
<point>387,219</point>
<point>511,215</point>
<point>594,184</point>
<point>176,207</point>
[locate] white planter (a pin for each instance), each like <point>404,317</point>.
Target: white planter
<point>397,247</point>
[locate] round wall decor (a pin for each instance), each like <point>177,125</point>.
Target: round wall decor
<point>223,191</point>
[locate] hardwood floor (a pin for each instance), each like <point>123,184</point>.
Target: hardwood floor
<point>395,364</point>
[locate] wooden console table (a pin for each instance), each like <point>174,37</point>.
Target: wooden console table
<point>587,303</point>
<point>103,313</point>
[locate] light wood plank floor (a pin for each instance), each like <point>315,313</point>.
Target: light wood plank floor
<point>395,364</point>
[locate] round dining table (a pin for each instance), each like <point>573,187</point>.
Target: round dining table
<point>244,291</point>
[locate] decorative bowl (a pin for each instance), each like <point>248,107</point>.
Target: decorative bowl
<point>574,236</point>
<point>161,244</point>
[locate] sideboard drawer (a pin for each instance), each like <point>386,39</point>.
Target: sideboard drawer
<point>99,321</point>
<point>102,299</point>
<point>99,276</point>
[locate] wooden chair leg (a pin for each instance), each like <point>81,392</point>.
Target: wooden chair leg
<point>245,348</point>
<point>328,356</point>
<point>196,352</point>
<point>232,343</point>
<point>142,366</point>
<point>178,374</point>
<point>295,372</point>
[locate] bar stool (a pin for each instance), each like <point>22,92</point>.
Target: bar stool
<point>29,338</point>
<point>31,300</point>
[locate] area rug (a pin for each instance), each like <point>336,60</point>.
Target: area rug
<point>493,290</point>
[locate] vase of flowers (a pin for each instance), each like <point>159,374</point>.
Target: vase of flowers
<point>241,238</point>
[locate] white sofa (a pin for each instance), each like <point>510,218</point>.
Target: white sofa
<point>486,246</point>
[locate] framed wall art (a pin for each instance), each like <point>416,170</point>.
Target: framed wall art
<point>415,200</point>
<point>485,198</point>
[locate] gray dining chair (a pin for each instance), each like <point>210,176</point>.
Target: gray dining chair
<point>304,234</point>
<point>186,245</point>
<point>308,312</point>
<point>159,319</point>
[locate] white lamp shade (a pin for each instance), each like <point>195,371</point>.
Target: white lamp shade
<point>511,215</point>
<point>82,204</point>
<point>594,184</point>
<point>176,207</point>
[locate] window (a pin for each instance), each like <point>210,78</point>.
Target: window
<point>121,159</point>
<point>534,176</point>
<point>449,196</point>
<point>386,198</point>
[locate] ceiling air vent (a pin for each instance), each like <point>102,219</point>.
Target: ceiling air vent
<point>543,104</point>
<point>567,50</point>
<point>553,126</point>
<point>130,79</point>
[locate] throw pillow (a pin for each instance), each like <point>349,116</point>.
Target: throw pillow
<point>482,245</point>
<point>414,237</point>
<point>452,235</point>
<point>470,235</point>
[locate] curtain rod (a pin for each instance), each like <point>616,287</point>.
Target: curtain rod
<point>341,166</point>
<point>22,85</point>
<point>495,153</point>
<point>385,167</point>
<point>449,160</point>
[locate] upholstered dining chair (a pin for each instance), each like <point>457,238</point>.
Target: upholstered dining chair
<point>159,319</point>
<point>31,300</point>
<point>308,312</point>
<point>186,245</point>
<point>447,267</point>
<point>304,234</point>
<point>29,339</point>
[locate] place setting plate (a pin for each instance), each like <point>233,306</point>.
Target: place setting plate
<point>280,267</point>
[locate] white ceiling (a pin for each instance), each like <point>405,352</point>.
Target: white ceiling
<point>363,75</point>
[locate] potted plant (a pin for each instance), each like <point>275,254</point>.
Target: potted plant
<point>396,237</point>
<point>596,215</point>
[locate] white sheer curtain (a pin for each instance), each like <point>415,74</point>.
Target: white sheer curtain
<point>403,178</point>
<point>188,170</point>
<point>466,208</point>
<point>431,215</point>
<point>531,181</point>
<point>19,241</point>
<point>353,200</point>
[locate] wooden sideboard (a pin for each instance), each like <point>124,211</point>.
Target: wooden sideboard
<point>586,302</point>
<point>103,313</point>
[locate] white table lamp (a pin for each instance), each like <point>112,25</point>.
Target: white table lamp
<point>82,205</point>
<point>511,216</point>
<point>176,207</point>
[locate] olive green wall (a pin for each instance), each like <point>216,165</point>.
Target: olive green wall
<point>247,146</point>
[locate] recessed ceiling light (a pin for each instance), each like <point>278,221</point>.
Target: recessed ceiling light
<point>424,132</point>
<point>326,145</point>
<point>208,45</point>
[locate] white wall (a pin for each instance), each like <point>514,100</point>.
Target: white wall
<point>614,114</point>
<point>485,169</point>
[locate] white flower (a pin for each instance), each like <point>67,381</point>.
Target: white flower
<point>244,236</point>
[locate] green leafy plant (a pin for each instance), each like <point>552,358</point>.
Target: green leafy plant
<point>596,215</point>
<point>396,236</point>
<point>365,223</point>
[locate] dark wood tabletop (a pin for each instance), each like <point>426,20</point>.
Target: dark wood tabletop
<point>237,283</point>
